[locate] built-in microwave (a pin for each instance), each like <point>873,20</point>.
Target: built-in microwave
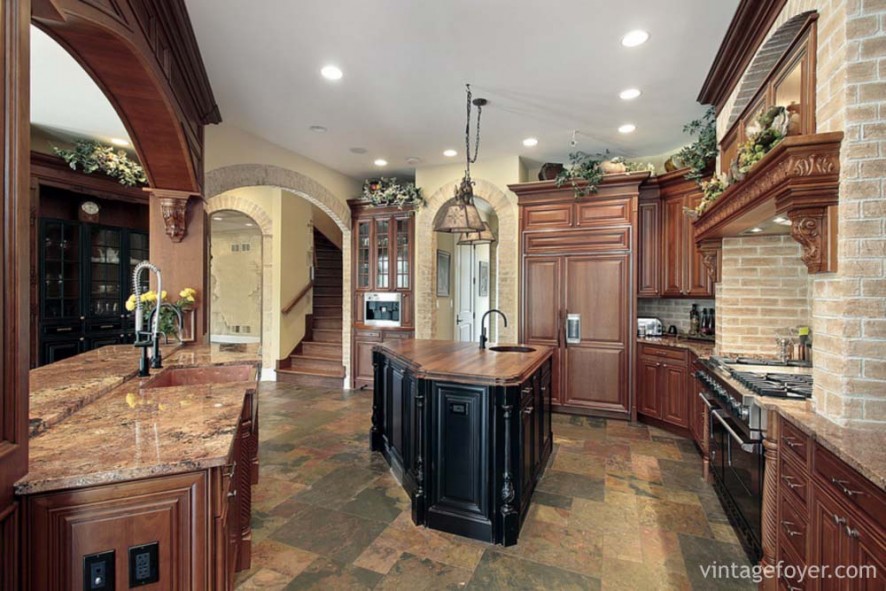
<point>382,309</point>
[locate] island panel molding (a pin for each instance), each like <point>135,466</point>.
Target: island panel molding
<point>800,179</point>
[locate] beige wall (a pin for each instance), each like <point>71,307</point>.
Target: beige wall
<point>445,309</point>
<point>235,283</point>
<point>292,267</point>
<point>327,226</point>
<point>848,307</point>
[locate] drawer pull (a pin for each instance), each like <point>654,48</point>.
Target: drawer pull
<point>526,390</point>
<point>839,520</point>
<point>786,525</point>
<point>791,442</point>
<point>62,329</point>
<point>841,484</point>
<point>851,532</point>
<point>232,494</point>
<point>528,410</point>
<point>106,326</point>
<point>789,480</point>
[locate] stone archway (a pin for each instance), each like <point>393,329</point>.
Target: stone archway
<point>231,202</point>
<point>221,180</point>
<point>507,265</point>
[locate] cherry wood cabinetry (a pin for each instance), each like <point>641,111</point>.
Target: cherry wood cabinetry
<point>682,266</point>
<point>649,247</point>
<point>579,258</point>
<point>663,384</point>
<point>200,520</point>
<point>827,515</point>
<point>383,260</point>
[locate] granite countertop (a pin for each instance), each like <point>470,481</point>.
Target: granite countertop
<point>702,349</point>
<point>456,361</point>
<point>127,431</point>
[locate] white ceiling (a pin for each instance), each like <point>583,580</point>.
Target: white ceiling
<point>64,97</point>
<point>546,67</point>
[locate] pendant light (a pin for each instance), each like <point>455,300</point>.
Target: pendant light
<point>484,236</point>
<point>462,215</point>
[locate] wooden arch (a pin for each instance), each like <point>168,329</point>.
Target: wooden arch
<point>144,57</point>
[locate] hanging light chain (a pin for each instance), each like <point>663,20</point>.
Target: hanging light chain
<point>471,159</point>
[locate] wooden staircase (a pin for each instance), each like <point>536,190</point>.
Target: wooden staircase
<point>317,360</point>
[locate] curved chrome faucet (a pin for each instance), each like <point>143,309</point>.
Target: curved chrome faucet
<point>483,338</point>
<point>139,319</point>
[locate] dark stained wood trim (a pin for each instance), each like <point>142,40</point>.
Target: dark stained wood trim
<point>53,171</point>
<point>613,185</point>
<point>752,21</point>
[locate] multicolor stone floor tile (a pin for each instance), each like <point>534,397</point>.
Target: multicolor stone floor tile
<point>622,506</point>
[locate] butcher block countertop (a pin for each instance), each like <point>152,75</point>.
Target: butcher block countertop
<point>111,426</point>
<point>455,361</point>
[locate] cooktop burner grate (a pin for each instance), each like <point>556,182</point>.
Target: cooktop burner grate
<point>775,384</point>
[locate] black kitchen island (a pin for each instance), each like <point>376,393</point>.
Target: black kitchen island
<point>466,431</point>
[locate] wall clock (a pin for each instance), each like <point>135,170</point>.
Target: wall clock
<point>89,211</point>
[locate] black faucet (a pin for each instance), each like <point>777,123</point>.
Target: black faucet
<point>483,338</point>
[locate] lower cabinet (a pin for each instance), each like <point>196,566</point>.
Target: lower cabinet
<point>663,385</point>
<point>199,521</point>
<point>364,340</point>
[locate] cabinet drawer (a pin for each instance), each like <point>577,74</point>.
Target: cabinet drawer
<point>793,583</point>
<point>577,241</point>
<point>794,442</point>
<point>370,336</point>
<point>62,329</point>
<point>792,526</point>
<point>558,215</point>
<point>663,352</point>
<point>793,479</point>
<point>603,213</point>
<point>848,484</point>
<point>114,324</point>
<point>399,335</point>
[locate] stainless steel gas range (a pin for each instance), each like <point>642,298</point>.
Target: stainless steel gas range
<point>730,388</point>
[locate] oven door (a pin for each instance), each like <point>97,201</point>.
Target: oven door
<point>739,471</point>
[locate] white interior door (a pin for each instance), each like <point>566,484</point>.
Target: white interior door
<point>464,293</point>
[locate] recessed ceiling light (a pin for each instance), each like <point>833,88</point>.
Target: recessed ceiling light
<point>450,153</point>
<point>755,230</point>
<point>413,160</point>
<point>217,218</point>
<point>530,141</point>
<point>627,128</point>
<point>358,150</point>
<point>318,129</point>
<point>119,142</point>
<point>381,162</point>
<point>635,38</point>
<point>331,72</point>
<point>629,94</point>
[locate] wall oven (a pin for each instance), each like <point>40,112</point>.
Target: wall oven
<point>382,308</point>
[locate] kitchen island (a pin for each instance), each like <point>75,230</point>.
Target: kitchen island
<point>467,431</point>
<point>123,467</point>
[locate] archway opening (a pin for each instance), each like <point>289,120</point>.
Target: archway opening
<point>235,278</point>
<point>467,279</point>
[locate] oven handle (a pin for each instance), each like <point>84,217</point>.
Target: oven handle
<point>705,400</point>
<point>750,447</point>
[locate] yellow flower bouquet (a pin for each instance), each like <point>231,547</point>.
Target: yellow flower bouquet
<point>150,300</point>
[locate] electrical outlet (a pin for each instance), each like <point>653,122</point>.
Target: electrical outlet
<point>144,566</point>
<point>98,571</point>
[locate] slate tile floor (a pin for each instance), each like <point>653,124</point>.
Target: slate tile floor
<point>620,507</point>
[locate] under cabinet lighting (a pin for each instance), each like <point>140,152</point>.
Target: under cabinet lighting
<point>119,142</point>
<point>635,38</point>
<point>782,220</point>
<point>755,230</point>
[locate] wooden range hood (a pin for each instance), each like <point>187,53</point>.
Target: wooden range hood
<point>799,179</point>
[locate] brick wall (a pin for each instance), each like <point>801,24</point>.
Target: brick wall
<point>671,311</point>
<point>764,287</point>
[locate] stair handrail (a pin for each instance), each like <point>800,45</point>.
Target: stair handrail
<point>294,301</point>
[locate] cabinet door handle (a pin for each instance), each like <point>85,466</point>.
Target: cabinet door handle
<point>528,410</point>
<point>786,525</point>
<point>233,493</point>
<point>852,532</point>
<point>841,484</point>
<point>839,520</point>
<point>789,480</point>
<point>790,442</point>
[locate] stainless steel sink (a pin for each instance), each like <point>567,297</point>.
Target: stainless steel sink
<point>512,349</point>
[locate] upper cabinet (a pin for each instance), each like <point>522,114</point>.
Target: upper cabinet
<point>382,244</point>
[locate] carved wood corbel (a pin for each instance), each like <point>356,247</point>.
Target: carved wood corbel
<point>174,209</point>
<point>811,227</point>
<point>710,256</point>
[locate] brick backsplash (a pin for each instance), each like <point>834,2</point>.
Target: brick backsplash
<point>765,286</point>
<point>671,311</point>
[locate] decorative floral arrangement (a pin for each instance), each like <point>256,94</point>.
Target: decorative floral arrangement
<point>764,134</point>
<point>591,168</point>
<point>385,192</point>
<point>187,299</point>
<point>702,153</point>
<point>115,163</point>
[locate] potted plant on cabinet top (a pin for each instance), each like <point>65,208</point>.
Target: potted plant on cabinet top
<point>386,192</point>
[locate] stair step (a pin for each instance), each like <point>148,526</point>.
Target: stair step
<point>308,379</point>
<point>325,350</point>
<point>327,291</point>
<point>324,335</point>
<point>327,312</point>
<point>327,300</point>
<point>317,365</point>
<point>328,322</point>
